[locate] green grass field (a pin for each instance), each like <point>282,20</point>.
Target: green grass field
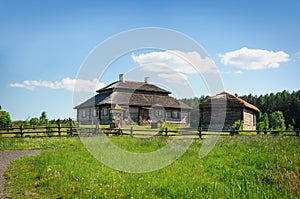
<point>237,167</point>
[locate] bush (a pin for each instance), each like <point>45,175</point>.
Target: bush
<point>237,126</point>
<point>171,127</point>
<point>34,121</point>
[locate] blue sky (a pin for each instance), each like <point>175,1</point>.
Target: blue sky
<point>254,45</point>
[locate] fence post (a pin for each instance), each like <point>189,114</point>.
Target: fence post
<point>97,128</point>
<point>71,128</point>
<point>21,130</point>
<point>265,131</point>
<point>232,132</point>
<point>200,133</point>
<point>131,131</point>
<point>59,128</point>
<point>166,131</point>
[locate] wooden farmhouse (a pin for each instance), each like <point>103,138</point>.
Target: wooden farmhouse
<point>125,102</point>
<point>227,109</point>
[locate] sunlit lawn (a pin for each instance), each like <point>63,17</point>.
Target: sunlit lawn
<point>237,167</point>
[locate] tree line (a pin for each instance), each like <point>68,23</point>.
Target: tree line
<point>6,122</point>
<point>281,107</point>
<point>279,111</point>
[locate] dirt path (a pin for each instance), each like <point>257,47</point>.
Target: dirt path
<point>6,157</point>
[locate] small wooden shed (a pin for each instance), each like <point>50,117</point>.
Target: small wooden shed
<point>227,109</point>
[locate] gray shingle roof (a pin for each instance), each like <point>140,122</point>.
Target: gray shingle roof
<point>134,94</point>
<point>131,85</point>
<point>93,101</point>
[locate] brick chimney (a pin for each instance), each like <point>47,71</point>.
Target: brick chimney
<point>121,78</point>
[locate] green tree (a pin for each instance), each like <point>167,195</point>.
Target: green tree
<point>287,103</point>
<point>43,118</point>
<point>291,126</point>
<point>265,120</point>
<point>5,120</point>
<point>260,126</point>
<point>34,121</point>
<point>277,121</point>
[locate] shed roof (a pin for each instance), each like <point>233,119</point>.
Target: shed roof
<point>231,101</point>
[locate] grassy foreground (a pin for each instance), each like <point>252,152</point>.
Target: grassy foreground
<point>238,167</point>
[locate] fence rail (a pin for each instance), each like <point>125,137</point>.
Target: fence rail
<point>37,131</point>
<point>198,132</point>
<point>59,130</point>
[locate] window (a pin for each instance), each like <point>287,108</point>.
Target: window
<point>104,111</point>
<point>175,114</point>
<point>168,114</point>
<point>159,113</point>
<point>83,114</point>
<point>95,113</point>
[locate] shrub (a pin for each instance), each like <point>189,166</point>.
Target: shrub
<point>237,126</point>
<point>171,127</point>
<point>34,121</point>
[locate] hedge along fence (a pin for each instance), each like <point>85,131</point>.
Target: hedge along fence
<point>59,130</point>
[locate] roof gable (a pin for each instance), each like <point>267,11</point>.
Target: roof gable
<point>133,86</point>
<point>93,101</point>
<point>231,101</point>
<point>133,94</point>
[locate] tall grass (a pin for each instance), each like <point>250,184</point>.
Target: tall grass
<point>238,167</point>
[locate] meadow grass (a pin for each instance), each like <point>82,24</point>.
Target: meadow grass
<point>29,143</point>
<point>237,167</point>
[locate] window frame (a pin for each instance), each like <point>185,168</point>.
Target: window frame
<point>95,112</point>
<point>175,114</point>
<point>83,114</point>
<point>104,111</point>
<point>159,113</point>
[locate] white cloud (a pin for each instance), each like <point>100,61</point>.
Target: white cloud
<point>173,77</point>
<point>254,59</point>
<point>76,85</point>
<point>236,72</point>
<point>175,61</point>
<point>298,55</point>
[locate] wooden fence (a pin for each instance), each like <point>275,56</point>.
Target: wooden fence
<point>59,130</point>
<point>183,133</point>
<point>39,131</point>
